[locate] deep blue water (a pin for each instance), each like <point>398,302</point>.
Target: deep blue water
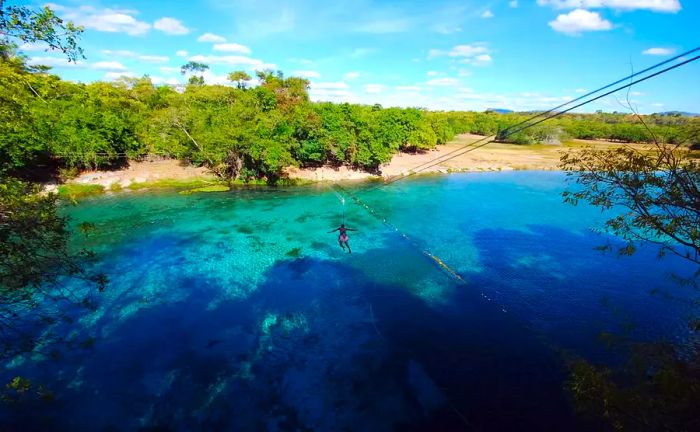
<point>237,311</point>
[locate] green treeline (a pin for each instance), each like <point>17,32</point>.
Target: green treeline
<point>252,132</point>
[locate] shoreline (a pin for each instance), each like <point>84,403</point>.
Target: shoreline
<point>170,173</point>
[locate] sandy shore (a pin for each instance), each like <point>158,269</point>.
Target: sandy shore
<point>491,157</point>
<point>140,172</point>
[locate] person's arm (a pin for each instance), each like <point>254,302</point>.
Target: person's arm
<point>333,230</point>
<point>351,229</point>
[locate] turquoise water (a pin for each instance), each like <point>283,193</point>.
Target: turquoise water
<point>237,311</point>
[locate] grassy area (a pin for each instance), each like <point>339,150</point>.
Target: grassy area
<point>213,188</point>
<point>74,191</point>
<point>172,184</point>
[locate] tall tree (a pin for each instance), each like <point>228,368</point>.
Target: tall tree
<point>240,78</point>
<point>192,68</point>
<point>34,252</point>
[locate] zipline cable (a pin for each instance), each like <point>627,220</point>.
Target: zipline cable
<point>472,146</point>
<point>650,68</point>
<point>505,133</point>
<point>432,258</point>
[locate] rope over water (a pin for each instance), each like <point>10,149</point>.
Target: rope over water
<point>432,258</point>
<point>519,127</point>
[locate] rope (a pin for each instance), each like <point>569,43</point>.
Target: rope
<point>432,258</point>
<point>591,93</point>
<point>509,131</point>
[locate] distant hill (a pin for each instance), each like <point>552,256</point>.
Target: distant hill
<point>499,110</point>
<point>680,113</point>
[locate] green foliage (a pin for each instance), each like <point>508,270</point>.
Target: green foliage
<point>75,191</point>
<point>21,23</point>
<point>214,188</point>
<point>170,184</point>
<point>34,258</point>
<point>248,134</point>
<point>658,190</point>
<point>658,389</point>
<point>656,196</point>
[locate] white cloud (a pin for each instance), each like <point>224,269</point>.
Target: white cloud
<point>487,14</point>
<point>580,90</point>
<point>163,80</point>
<point>408,88</point>
<point>109,66</point>
<point>467,50</point>
<point>332,95</point>
<point>432,73</point>
<point>374,88</point>
<point>119,53</point>
<point>444,82</point>
<point>232,47</point>
<point>464,53</point>
<point>36,46</point>
<point>482,59</point>
<point>513,3</point>
<point>636,93</point>
<point>112,76</point>
<point>212,78</point>
<point>181,53</point>
<point>132,54</point>
<point>446,29</point>
<point>361,52</point>
<point>105,20</point>
<point>338,85</point>
<point>169,70</point>
<point>658,51</point>
<point>154,58</point>
<point>232,61</point>
<point>579,20</point>
<point>211,37</point>
<point>384,26</point>
<point>672,6</point>
<point>306,74</point>
<point>171,26</point>
<point>301,61</point>
<point>351,75</point>
<point>55,62</point>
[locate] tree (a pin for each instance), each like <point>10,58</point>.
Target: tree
<point>658,191</point>
<point>34,252</point>
<point>34,256</point>
<point>192,68</point>
<point>20,23</point>
<point>241,78</point>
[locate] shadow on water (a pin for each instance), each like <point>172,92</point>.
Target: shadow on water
<point>318,346</point>
<point>565,288</point>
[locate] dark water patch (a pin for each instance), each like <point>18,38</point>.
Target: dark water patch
<point>557,281</point>
<point>318,345</point>
<point>245,229</point>
<point>305,217</point>
<point>294,252</point>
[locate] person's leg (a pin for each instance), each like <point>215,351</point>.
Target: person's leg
<point>341,244</point>
<point>348,245</point>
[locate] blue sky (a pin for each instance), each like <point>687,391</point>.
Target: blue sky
<point>469,55</point>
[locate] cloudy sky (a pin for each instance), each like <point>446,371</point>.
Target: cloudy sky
<point>468,54</point>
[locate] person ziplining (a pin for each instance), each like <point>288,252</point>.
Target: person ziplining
<point>343,236</point>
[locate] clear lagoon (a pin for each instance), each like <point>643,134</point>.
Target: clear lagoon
<point>237,311</point>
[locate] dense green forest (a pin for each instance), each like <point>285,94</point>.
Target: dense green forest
<point>251,132</point>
